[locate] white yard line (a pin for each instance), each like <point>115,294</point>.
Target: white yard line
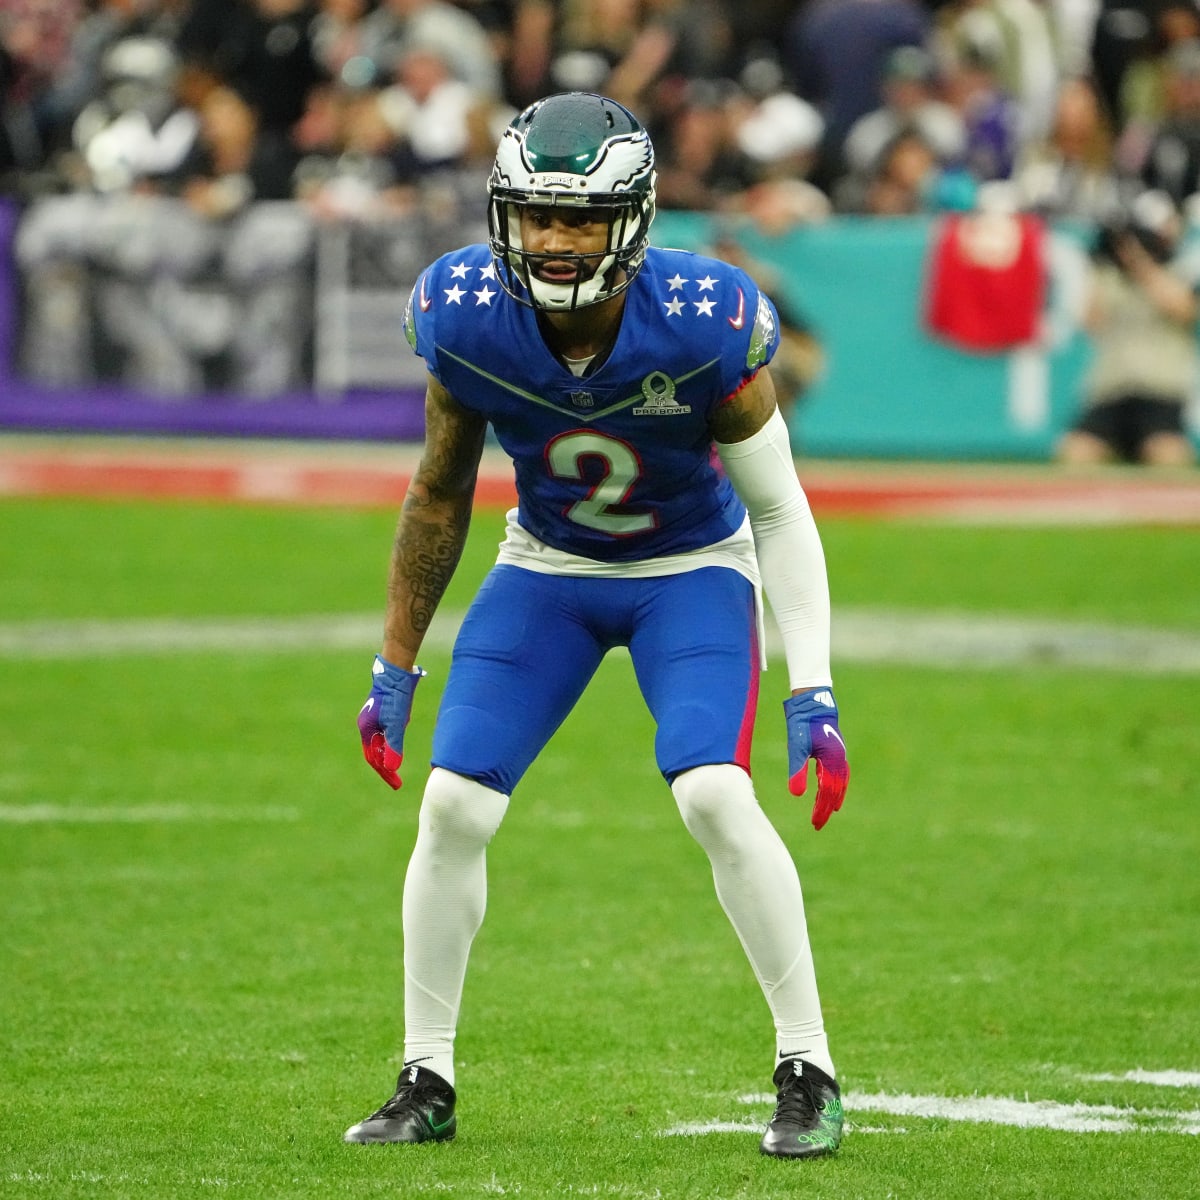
<point>1173,1079</point>
<point>185,635</point>
<point>985,1110</point>
<point>860,634</point>
<point>952,639</point>
<point>139,814</point>
<point>1028,1114</point>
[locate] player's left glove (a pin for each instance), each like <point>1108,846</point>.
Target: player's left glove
<point>812,732</point>
<point>384,717</point>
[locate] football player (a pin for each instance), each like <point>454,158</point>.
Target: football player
<point>657,498</point>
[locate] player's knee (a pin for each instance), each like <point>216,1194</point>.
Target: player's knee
<point>714,800</point>
<point>459,809</point>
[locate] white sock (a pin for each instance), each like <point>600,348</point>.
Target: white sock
<point>445,895</point>
<point>759,889</point>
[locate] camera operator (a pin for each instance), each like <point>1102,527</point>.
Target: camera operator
<point>1141,316</point>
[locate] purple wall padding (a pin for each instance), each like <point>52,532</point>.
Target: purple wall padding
<point>358,415</point>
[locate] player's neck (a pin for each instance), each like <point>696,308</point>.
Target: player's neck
<point>587,333</point>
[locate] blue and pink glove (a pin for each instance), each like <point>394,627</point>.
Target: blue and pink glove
<point>384,717</point>
<point>812,732</point>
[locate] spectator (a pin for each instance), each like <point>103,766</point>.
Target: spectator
<point>1070,173</point>
<point>675,41</point>
<point>1036,63</point>
<point>429,112</point>
<point>34,50</point>
<point>834,56</point>
<point>397,25</point>
<point>990,115</point>
<point>910,105</point>
<point>92,28</point>
<point>1143,95</point>
<point>352,174</point>
<point>699,166</point>
<point>1122,35</point>
<point>779,133</point>
<point>1074,23</point>
<point>902,181</point>
<point>262,48</point>
<point>340,39</point>
<point>1141,317</point>
<point>1172,161</point>
<point>528,49</point>
<point>137,133</point>
<point>234,162</point>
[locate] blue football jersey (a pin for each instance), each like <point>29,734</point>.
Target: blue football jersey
<point>618,465</point>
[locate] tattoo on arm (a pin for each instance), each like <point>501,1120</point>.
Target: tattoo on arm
<point>434,520</point>
<point>747,412</point>
<point>426,551</point>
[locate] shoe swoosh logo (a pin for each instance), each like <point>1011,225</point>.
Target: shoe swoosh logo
<point>439,1126</point>
<point>829,729</point>
<point>740,320</point>
<point>370,704</point>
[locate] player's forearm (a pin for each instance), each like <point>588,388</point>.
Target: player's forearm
<point>791,559</point>
<point>433,523</point>
<point>429,542</point>
<point>792,563</point>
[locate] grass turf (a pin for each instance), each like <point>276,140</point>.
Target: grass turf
<point>199,1003</point>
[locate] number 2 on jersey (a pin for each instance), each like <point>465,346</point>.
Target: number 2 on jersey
<point>565,456</point>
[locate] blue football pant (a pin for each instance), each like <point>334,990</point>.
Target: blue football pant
<point>530,643</point>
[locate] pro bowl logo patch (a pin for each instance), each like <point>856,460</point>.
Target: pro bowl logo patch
<point>658,388</point>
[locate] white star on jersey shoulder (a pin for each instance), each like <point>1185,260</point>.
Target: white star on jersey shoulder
<point>455,294</point>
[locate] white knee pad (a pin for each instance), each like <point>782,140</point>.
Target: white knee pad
<point>714,801</point>
<point>459,810</point>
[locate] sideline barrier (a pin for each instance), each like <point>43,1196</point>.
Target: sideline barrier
<point>888,388</point>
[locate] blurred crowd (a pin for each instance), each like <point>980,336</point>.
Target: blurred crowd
<point>775,111</point>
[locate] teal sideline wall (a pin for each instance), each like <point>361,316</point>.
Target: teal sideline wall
<point>888,388</point>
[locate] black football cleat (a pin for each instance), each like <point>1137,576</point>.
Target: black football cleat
<point>808,1112</point>
<point>422,1110</point>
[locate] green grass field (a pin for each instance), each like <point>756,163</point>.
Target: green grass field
<point>200,945</point>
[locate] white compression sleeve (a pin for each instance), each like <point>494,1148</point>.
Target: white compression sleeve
<point>445,894</point>
<point>759,889</point>
<point>790,556</point>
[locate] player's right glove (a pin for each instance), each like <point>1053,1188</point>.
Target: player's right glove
<point>384,717</point>
<point>812,732</point>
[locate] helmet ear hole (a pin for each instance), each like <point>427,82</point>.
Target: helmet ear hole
<point>575,149</point>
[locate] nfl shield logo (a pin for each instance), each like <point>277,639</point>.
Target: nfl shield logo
<point>583,400</point>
